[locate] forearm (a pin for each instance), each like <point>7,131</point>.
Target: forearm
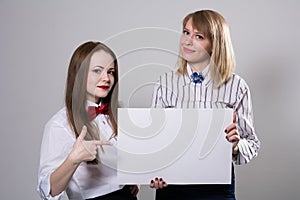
<point>61,177</point>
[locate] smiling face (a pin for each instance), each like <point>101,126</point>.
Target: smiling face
<point>195,46</point>
<point>101,76</point>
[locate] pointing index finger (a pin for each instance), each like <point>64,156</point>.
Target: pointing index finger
<point>102,142</point>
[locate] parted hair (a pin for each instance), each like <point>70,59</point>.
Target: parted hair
<point>215,28</point>
<point>75,95</point>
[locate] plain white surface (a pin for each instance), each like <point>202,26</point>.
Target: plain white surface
<point>38,37</point>
<point>191,141</point>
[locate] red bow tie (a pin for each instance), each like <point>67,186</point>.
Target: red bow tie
<point>93,111</point>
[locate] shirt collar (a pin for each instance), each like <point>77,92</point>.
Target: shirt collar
<point>206,73</point>
<point>90,103</point>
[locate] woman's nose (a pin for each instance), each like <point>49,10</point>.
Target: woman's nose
<point>188,40</point>
<point>104,76</point>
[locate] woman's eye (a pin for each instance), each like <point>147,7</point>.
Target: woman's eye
<point>111,72</point>
<point>185,32</point>
<point>98,71</point>
<point>199,37</point>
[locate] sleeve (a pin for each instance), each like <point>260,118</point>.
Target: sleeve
<point>157,100</point>
<point>249,144</point>
<point>56,145</point>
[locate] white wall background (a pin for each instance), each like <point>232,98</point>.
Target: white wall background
<point>37,39</point>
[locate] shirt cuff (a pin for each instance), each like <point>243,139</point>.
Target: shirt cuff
<point>44,189</point>
<point>243,156</point>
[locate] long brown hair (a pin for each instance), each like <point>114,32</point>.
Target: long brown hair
<point>75,98</point>
<point>215,28</point>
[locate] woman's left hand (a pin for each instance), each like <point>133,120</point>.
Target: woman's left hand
<point>232,135</point>
<point>134,189</point>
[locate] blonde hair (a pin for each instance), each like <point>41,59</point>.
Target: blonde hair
<point>214,27</point>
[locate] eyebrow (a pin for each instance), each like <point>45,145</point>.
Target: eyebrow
<point>110,68</point>
<point>196,32</point>
<point>99,66</point>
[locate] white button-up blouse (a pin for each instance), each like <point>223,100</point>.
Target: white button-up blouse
<point>88,181</point>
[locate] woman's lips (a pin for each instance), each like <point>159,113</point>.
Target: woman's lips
<point>186,50</point>
<point>103,87</point>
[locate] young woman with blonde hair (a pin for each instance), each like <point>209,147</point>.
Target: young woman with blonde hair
<point>205,79</point>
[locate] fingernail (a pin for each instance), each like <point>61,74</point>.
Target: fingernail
<point>156,179</point>
<point>160,179</point>
<point>164,182</point>
<point>152,181</point>
<point>225,130</point>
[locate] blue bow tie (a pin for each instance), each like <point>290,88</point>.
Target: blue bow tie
<point>197,78</point>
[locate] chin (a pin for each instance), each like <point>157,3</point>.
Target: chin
<point>101,95</point>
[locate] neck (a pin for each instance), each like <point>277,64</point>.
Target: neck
<point>198,67</point>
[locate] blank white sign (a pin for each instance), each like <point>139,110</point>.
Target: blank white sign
<point>183,146</point>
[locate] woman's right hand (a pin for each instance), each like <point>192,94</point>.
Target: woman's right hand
<point>85,150</point>
<point>158,183</point>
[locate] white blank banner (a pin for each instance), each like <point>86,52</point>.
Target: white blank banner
<point>183,146</point>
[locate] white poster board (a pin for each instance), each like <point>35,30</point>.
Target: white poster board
<point>183,146</point>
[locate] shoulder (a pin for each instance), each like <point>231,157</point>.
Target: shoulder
<point>238,86</point>
<point>59,119</point>
<point>58,127</point>
<point>169,74</point>
<point>168,77</point>
<point>239,81</point>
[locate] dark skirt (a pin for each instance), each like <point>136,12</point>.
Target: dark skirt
<point>124,193</point>
<point>198,192</point>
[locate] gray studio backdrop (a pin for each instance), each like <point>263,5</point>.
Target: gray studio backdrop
<point>37,39</point>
